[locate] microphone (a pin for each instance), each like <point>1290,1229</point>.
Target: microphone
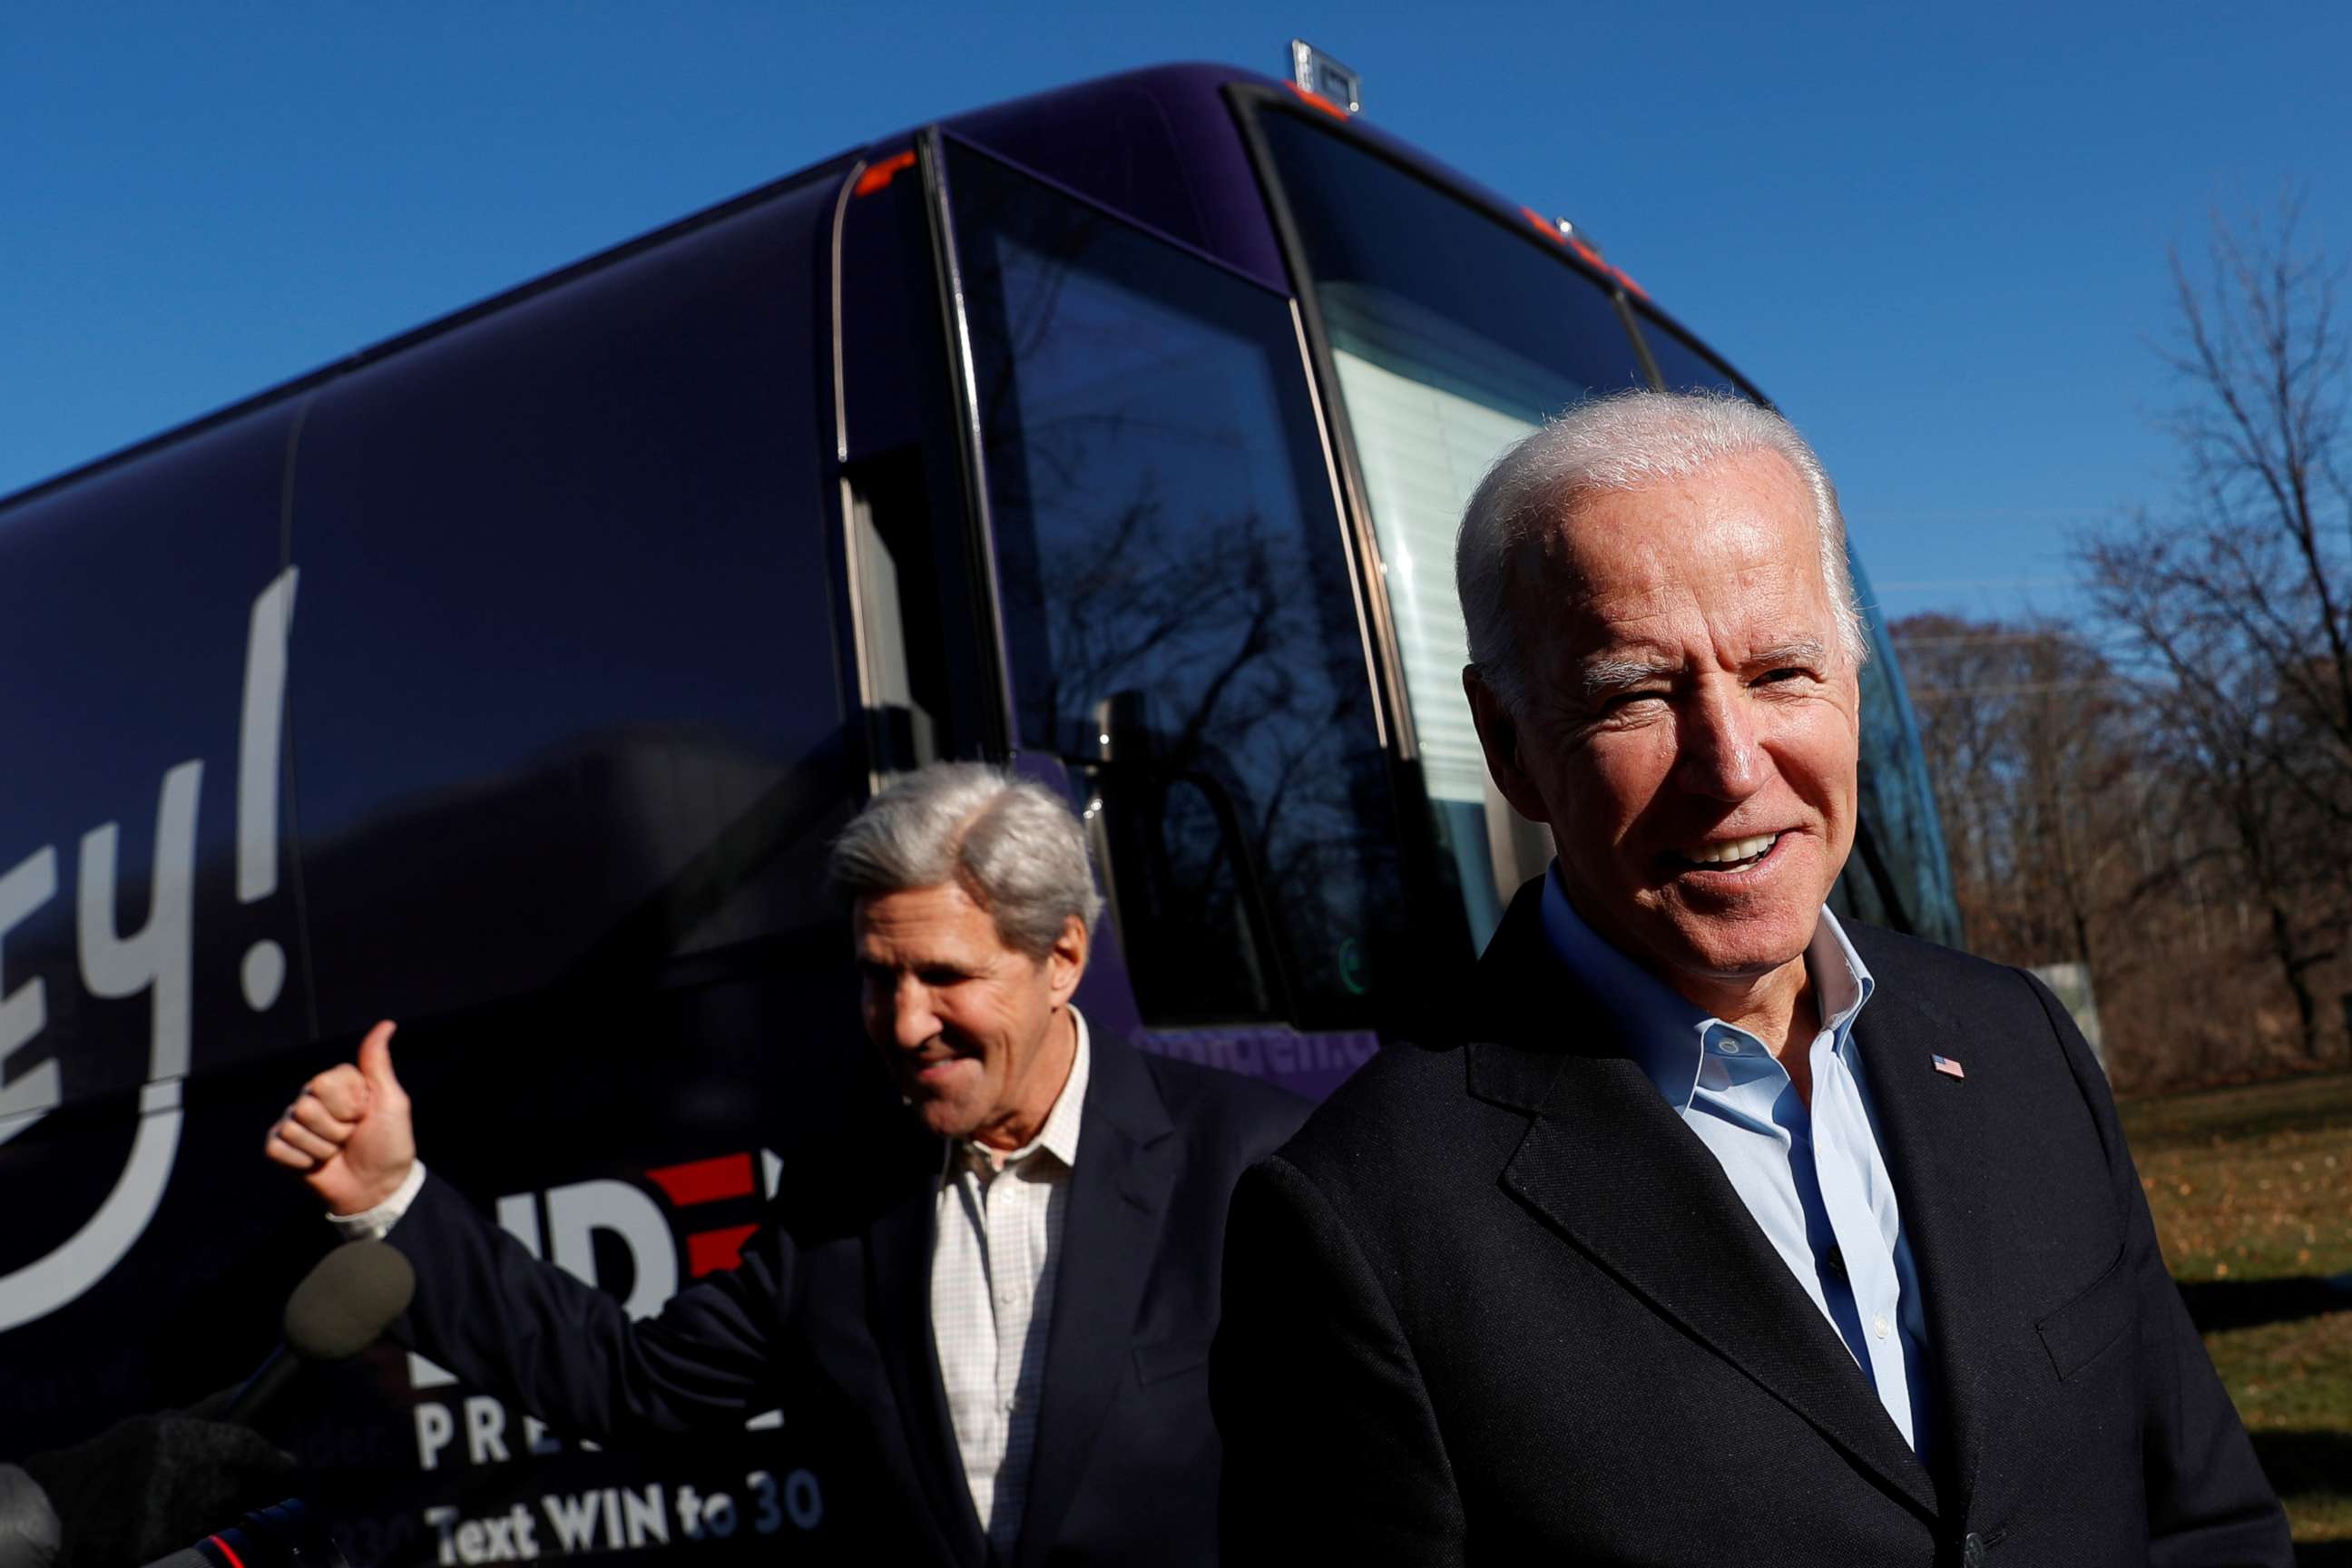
<point>342,1307</point>
<point>128,1494</point>
<point>285,1536</point>
<point>30,1533</point>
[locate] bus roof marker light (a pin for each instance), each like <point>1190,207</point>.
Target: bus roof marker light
<point>878,176</point>
<point>1587,249</point>
<point>1580,240</point>
<point>1324,81</point>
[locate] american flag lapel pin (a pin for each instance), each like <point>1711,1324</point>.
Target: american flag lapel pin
<point>1948,1068</point>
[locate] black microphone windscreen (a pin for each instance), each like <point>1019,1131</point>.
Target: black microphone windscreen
<point>344,1304</point>
<point>29,1529</point>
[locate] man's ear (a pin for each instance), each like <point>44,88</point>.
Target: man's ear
<point>1065,961</point>
<point>1500,737</point>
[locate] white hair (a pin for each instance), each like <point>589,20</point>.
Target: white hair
<point>1009,843</point>
<point>1601,446</point>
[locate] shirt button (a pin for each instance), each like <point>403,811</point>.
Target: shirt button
<point>1878,1325</point>
<point>1005,1298</point>
<point>1729,1048</point>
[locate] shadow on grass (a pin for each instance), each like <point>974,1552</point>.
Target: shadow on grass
<point>2217,1304</point>
<point>2309,1465</point>
<point>2305,1462</point>
<point>2316,1102</point>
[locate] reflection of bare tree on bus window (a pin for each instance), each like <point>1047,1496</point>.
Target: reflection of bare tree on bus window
<point>1164,554</point>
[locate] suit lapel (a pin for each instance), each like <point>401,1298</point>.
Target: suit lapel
<point>899,1260</point>
<point>1127,1168</point>
<point>1610,1166</point>
<point>1935,1131</point>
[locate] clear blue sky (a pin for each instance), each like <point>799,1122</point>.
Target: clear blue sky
<point>1936,235</point>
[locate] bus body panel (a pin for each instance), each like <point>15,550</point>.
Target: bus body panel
<point>129,605</point>
<point>569,625</point>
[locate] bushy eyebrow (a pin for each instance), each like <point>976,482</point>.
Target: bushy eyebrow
<point>1801,651</point>
<point>1599,679</point>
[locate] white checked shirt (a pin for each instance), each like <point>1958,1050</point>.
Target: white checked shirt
<point>994,1251</point>
<point>996,1242</point>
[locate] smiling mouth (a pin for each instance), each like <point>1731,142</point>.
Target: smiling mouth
<point>930,1066</point>
<point>1731,855</point>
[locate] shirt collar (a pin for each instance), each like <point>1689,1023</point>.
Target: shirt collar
<point>1840,980</point>
<point>1662,1030</point>
<point>1059,1136</point>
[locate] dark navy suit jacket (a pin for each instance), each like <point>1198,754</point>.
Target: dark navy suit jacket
<point>1497,1303</point>
<point>829,1314</point>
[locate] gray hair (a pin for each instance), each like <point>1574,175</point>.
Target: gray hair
<point>1601,446</point>
<point>1010,843</point>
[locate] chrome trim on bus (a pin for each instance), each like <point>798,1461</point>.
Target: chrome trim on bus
<point>846,499</point>
<point>938,205</point>
<point>840,374</point>
<point>1356,578</point>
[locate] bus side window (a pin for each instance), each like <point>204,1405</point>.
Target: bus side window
<point>903,656</point>
<point>1899,874</point>
<point>1177,607</point>
<point>1182,876</point>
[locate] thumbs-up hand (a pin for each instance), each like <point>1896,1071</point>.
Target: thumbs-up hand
<point>350,1134</point>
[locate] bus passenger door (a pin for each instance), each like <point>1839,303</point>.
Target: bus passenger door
<point>1181,631</point>
<point>921,653</point>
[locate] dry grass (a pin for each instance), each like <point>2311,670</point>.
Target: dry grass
<point>2252,1189</point>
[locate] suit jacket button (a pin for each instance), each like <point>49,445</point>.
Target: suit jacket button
<point>1972,1551</point>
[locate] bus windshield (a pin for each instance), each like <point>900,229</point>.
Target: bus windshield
<point>1451,336</point>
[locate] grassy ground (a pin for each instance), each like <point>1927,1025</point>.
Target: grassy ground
<point>2252,1189</point>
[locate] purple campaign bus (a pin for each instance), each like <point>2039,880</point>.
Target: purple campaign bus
<point>510,676</point>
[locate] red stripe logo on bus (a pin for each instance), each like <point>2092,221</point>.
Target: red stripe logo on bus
<point>710,1181</point>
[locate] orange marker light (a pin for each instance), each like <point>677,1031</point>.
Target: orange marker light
<point>1319,101</point>
<point>878,176</point>
<point>1584,253</point>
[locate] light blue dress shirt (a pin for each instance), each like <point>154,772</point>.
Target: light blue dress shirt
<point>1815,1181</point>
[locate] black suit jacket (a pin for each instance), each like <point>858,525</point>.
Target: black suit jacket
<point>829,1313</point>
<point>1497,1303</point>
